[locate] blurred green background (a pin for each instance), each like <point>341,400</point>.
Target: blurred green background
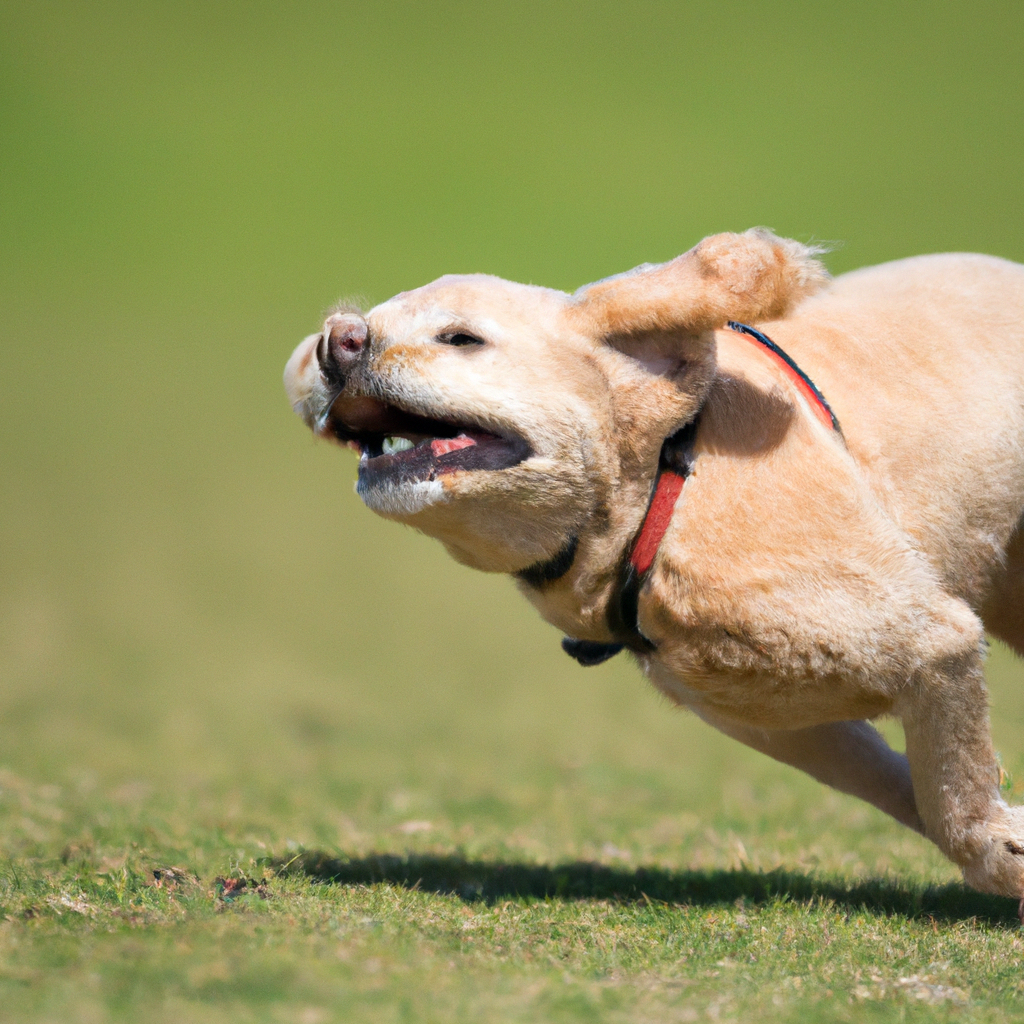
<point>193,603</point>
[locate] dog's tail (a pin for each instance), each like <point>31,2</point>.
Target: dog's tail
<point>751,277</point>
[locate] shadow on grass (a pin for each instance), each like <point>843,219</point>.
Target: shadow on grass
<point>489,881</point>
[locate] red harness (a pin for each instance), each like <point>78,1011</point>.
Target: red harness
<point>674,466</point>
<point>659,515</point>
<point>669,483</point>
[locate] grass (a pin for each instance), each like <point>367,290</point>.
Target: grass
<point>383,952</point>
<point>586,895</point>
<point>217,668</point>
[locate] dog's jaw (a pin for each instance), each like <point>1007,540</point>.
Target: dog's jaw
<point>401,501</point>
<point>477,517</point>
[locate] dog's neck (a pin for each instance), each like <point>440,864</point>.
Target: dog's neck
<point>592,585</point>
<point>675,464</point>
<point>620,595</point>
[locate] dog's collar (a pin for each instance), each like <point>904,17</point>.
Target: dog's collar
<point>675,464</point>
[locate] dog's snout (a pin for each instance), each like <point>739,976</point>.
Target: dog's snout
<point>341,344</point>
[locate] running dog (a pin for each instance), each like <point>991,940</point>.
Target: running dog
<point>796,501</point>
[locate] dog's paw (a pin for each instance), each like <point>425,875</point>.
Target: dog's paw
<point>998,864</point>
<point>765,274</point>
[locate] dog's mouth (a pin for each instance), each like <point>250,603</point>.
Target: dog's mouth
<point>397,446</point>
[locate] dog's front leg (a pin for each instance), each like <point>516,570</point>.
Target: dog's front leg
<point>849,756</point>
<point>956,777</point>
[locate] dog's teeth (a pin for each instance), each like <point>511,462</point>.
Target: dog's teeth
<point>394,445</point>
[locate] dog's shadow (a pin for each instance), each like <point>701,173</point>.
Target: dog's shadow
<point>493,881</point>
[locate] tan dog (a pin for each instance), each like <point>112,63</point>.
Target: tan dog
<point>808,579</point>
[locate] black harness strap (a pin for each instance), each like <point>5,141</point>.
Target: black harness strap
<point>804,382</point>
<point>589,652</point>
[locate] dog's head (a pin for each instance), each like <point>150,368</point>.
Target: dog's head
<point>509,421</point>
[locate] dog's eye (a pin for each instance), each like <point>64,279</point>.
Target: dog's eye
<point>459,338</point>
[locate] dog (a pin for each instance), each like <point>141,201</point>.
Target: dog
<point>796,501</point>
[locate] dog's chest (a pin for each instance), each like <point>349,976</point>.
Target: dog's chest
<point>782,648</point>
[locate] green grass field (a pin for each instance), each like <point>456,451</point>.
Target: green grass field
<point>264,757</point>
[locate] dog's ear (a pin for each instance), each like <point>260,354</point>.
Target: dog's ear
<point>751,277</point>
<point>663,317</point>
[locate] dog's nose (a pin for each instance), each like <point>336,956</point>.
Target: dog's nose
<point>342,342</point>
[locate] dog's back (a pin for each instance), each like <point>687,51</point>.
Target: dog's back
<point>923,362</point>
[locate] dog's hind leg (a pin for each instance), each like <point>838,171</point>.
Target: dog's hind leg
<point>849,756</point>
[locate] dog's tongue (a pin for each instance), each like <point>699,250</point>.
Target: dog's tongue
<point>443,445</point>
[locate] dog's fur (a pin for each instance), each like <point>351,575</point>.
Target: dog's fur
<point>809,581</point>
